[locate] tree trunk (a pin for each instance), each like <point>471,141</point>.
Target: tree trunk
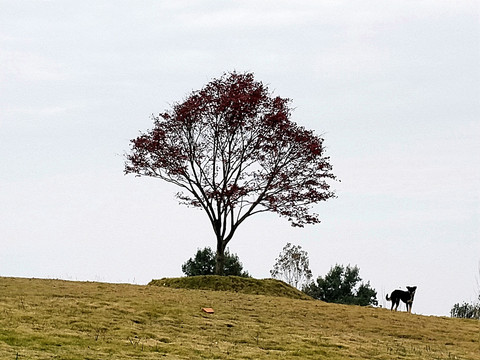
<point>220,258</point>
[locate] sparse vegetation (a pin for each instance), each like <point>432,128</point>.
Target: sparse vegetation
<point>292,265</point>
<point>53,319</point>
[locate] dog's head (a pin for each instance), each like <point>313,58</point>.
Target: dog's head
<point>411,290</point>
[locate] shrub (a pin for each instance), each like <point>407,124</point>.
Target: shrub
<point>340,286</point>
<point>466,311</point>
<point>203,263</point>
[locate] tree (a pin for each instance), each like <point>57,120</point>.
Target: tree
<point>204,264</point>
<point>292,265</point>
<point>340,286</point>
<point>234,152</point>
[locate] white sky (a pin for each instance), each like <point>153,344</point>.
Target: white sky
<point>394,86</point>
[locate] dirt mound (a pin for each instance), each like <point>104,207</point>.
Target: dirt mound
<point>268,287</point>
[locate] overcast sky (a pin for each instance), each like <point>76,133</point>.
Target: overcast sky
<point>393,86</point>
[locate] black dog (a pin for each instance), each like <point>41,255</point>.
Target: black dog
<point>405,296</point>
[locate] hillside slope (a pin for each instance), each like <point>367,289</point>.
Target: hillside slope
<point>46,319</point>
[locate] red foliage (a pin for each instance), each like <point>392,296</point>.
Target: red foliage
<point>234,151</point>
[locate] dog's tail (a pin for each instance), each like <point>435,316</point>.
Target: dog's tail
<point>388,299</point>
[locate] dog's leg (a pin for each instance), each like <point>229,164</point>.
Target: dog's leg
<point>394,302</point>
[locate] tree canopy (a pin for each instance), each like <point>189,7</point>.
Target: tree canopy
<point>233,151</point>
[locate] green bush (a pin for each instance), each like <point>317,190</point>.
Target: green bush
<point>340,286</point>
<point>203,263</point>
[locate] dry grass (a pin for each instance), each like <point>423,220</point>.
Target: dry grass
<point>52,319</point>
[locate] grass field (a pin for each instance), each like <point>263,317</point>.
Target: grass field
<point>54,319</point>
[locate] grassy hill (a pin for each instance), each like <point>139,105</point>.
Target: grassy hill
<point>53,319</point>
